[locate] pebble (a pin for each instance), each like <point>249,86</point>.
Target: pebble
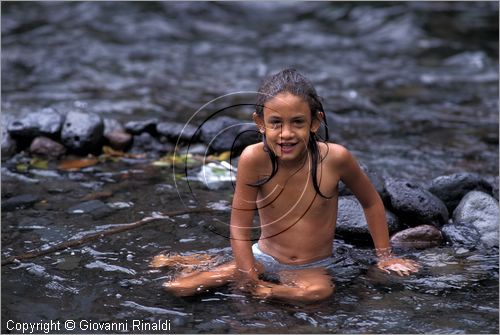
<point>47,147</point>
<point>82,132</point>
<point>96,208</point>
<point>481,211</point>
<point>19,201</point>
<point>119,140</point>
<point>419,237</point>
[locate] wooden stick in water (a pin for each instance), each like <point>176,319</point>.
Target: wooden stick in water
<point>77,242</point>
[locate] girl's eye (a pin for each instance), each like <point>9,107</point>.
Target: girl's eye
<point>299,122</point>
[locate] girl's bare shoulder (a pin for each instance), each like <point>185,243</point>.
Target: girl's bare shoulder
<point>334,151</point>
<point>335,154</point>
<point>254,155</point>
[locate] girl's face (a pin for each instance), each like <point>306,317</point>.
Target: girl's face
<point>287,124</point>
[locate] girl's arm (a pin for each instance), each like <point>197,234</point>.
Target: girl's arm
<point>357,181</point>
<point>242,213</point>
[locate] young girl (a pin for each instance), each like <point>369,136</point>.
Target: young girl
<point>291,178</point>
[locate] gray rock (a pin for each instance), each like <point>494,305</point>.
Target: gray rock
<point>82,132</point>
<point>225,133</point>
<point>96,208</point>
<point>419,237</point>
<point>9,145</point>
<point>47,147</point>
<point>19,201</point>
<point>351,221</point>
<point>415,205</point>
<point>112,125</point>
<point>178,131</point>
<point>451,188</point>
<point>461,235</point>
<point>196,149</point>
<point>139,127</point>
<point>146,142</point>
<point>494,186</point>
<point>481,211</point>
<point>46,122</point>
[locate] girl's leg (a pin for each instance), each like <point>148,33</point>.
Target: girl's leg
<point>184,261</point>
<point>308,286</point>
<point>198,282</point>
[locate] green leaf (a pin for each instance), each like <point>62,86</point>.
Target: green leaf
<point>39,163</point>
<point>22,167</point>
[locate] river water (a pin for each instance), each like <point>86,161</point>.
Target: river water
<point>411,88</point>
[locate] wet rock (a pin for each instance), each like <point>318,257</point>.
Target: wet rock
<point>82,132</point>
<point>96,208</point>
<point>414,205</point>
<point>119,140</point>
<point>69,263</point>
<point>461,235</point>
<point>351,221</point>
<point>470,60</point>
<point>494,182</point>
<point>451,188</point>
<point>115,134</point>
<point>139,127</point>
<point>225,133</point>
<point>481,211</point>
<point>146,142</point>
<point>177,131</point>
<point>197,149</point>
<point>112,125</point>
<point>419,237</point>
<point>19,201</point>
<point>9,145</point>
<point>45,122</point>
<point>47,147</point>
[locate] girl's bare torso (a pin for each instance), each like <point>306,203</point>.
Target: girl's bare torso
<point>297,224</point>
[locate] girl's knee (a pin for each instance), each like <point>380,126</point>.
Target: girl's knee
<point>318,292</point>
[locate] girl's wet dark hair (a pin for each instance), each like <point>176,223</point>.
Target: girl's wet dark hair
<point>291,81</point>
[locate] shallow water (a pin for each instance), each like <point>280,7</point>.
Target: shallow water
<point>109,279</point>
<point>414,87</point>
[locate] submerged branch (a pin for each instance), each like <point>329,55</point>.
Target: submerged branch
<point>115,230</point>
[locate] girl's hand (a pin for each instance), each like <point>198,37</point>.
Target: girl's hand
<point>246,280</point>
<point>401,266</point>
<point>262,290</point>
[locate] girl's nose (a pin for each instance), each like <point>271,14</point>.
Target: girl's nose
<point>286,130</point>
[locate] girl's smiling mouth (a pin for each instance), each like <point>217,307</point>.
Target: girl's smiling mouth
<point>287,147</point>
